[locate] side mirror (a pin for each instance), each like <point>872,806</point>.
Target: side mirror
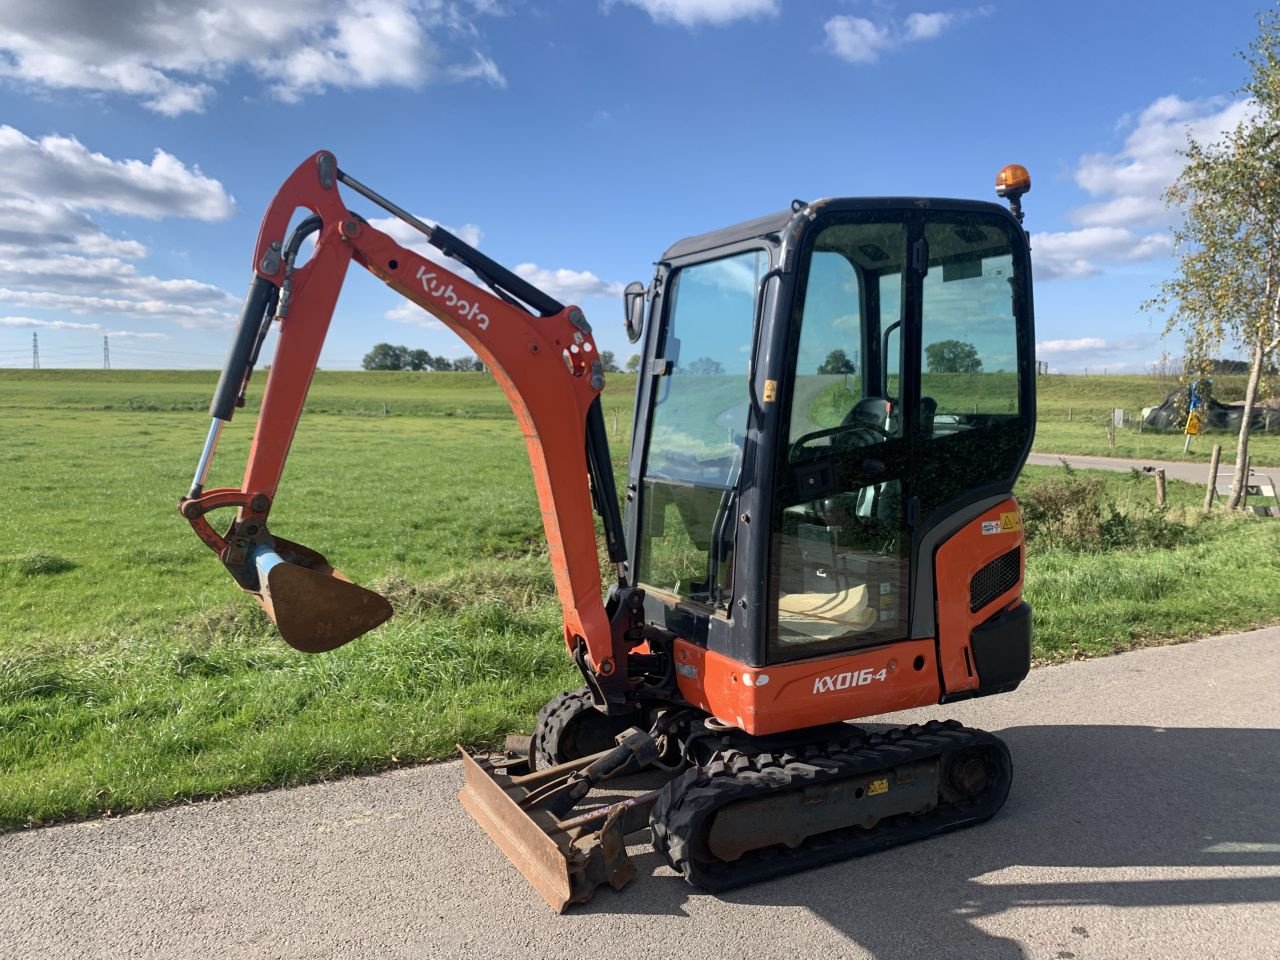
<point>633,307</point>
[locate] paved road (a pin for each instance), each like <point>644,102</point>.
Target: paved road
<point>1142,824</point>
<point>1190,472</point>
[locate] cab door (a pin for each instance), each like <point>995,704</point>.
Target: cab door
<point>910,405</point>
<point>840,540</point>
<point>696,436</point>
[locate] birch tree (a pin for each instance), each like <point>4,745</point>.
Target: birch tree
<point>1227,288</point>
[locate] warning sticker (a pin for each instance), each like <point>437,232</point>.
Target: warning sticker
<point>1010,521</point>
<point>877,787</point>
<point>990,526</point>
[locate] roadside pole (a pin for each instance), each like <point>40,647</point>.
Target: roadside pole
<point>1193,429</point>
<point>1212,487</point>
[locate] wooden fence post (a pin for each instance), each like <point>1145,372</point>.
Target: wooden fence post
<point>1161,490</point>
<point>1212,486</point>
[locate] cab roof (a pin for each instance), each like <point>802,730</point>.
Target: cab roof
<point>747,230</point>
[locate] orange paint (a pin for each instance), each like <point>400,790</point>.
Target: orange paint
<point>807,693</point>
<point>543,365</point>
<point>955,563</point>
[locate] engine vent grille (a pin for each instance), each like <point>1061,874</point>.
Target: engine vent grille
<point>994,579</point>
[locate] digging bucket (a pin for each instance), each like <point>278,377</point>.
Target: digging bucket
<point>314,606</point>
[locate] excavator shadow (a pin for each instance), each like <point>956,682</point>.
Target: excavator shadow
<point>1096,816</point>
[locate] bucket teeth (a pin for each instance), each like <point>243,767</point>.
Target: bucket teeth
<point>314,606</point>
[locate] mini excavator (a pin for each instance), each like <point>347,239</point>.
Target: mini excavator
<point>833,404</point>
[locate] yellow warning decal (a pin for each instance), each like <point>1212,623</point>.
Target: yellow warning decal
<point>877,787</point>
<point>1010,521</point>
<point>770,391</point>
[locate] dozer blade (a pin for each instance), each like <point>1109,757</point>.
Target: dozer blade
<point>314,606</point>
<point>564,860</point>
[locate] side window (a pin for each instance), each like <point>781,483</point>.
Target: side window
<point>969,373</point>
<point>971,428</point>
<point>697,428</point>
<point>847,366</point>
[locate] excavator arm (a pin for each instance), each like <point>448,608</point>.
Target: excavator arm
<point>541,353</point>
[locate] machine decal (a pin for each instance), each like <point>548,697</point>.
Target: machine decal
<point>444,293</point>
<point>850,678</point>
<point>878,786</point>
<point>1008,523</point>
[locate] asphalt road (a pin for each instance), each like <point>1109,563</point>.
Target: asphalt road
<point>1189,472</point>
<point>1143,823</point>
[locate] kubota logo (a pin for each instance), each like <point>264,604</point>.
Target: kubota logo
<point>444,293</point>
<point>850,678</point>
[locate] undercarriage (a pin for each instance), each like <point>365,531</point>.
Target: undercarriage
<point>734,809</point>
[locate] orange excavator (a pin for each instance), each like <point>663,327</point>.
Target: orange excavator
<point>833,404</point>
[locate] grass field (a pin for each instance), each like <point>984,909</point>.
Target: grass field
<point>133,673</point>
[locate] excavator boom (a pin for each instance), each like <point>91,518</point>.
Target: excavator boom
<point>541,353</point>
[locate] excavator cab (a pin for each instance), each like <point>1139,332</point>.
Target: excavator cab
<point>832,407</point>
<point>827,397</point>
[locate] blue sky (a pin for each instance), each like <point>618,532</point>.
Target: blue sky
<point>140,142</point>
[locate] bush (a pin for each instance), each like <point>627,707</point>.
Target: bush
<point>1073,512</point>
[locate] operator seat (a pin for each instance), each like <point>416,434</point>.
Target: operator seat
<point>873,411</point>
<point>928,413</point>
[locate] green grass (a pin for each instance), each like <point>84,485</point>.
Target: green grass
<point>134,674</point>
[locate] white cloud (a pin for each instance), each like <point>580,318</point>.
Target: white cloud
<point>1076,253</point>
<point>482,68</point>
<point>62,167</point>
<point>54,257</point>
<point>691,13</point>
<point>33,323</point>
<point>568,286</point>
<point>193,316</point>
<point>1096,353</point>
<point>1127,187</point>
<point>861,40</point>
<point>926,26</point>
<point>107,275</point>
<point>412,314</point>
<point>170,54</point>
<point>1051,347</point>
<point>856,39</point>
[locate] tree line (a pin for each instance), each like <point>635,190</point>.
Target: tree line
<point>389,356</point>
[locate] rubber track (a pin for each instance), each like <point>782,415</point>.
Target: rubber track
<point>687,805</point>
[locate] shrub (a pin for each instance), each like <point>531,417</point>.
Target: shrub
<point>1073,512</point>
